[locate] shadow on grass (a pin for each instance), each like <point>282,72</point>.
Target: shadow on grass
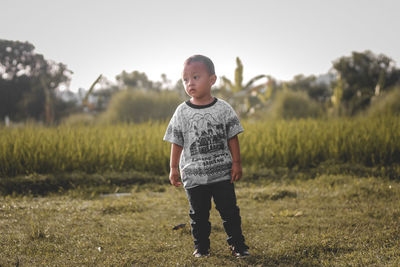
<point>281,194</point>
<point>42,185</point>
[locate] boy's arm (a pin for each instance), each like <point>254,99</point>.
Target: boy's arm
<point>174,176</point>
<point>233,144</point>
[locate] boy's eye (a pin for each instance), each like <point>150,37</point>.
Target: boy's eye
<point>185,80</point>
<point>195,77</point>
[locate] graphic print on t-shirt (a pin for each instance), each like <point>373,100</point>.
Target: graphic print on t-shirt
<point>208,136</point>
<point>208,146</point>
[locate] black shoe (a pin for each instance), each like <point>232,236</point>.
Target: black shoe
<point>240,251</point>
<point>200,254</point>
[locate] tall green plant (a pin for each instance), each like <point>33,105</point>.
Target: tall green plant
<point>373,141</point>
<point>243,96</point>
<point>337,96</point>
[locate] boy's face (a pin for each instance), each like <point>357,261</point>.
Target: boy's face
<point>197,80</point>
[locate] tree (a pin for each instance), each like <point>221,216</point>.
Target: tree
<point>136,80</point>
<point>242,96</point>
<point>318,91</point>
<point>365,75</point>
<point>28,82</point>
<point>85,100</point>
<point>103,96</point>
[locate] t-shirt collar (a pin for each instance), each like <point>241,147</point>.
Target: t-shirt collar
<point>190,104</point>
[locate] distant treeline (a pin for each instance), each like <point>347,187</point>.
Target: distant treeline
<point>30,90</point>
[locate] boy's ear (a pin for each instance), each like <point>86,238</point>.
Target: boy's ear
<point>213,79</point>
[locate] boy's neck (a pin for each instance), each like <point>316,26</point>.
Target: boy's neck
<point>202,101</point>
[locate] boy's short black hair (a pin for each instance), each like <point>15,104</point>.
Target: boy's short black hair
<point>203,59</point>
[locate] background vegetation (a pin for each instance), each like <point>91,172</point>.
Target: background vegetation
<point>140,106</point>
<point>301,143</point>
<point>83,176</point>
<point>31,89</point>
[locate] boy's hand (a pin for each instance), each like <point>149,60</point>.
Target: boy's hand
<point>174,177</point>
<point>236,173</point>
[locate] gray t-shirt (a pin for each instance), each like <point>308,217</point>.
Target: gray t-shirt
<point>203,132</point>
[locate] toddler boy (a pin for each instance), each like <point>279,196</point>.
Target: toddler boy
<point>203,132</point>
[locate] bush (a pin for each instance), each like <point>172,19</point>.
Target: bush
<point>79,119</point>
<point>295,105</point>
<point>386,104</point>
<point>141,106</point>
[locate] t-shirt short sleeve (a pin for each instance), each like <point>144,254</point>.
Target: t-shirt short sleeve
<point>174,132</point>
<point>233,126</point>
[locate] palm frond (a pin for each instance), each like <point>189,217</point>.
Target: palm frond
<point>227,82</point>
<point>256,78</point>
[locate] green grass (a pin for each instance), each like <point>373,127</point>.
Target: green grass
<point>314,193</point>
<point>139,147</point>
<point>331,220</point>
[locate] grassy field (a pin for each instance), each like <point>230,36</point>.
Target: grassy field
<point>139,147</point>
<point>314,193</point>
<point>331,220</point>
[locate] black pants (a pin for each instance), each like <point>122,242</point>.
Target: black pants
<point>224,197</point>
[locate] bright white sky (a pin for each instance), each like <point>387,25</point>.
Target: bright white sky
<point>280,38</point>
